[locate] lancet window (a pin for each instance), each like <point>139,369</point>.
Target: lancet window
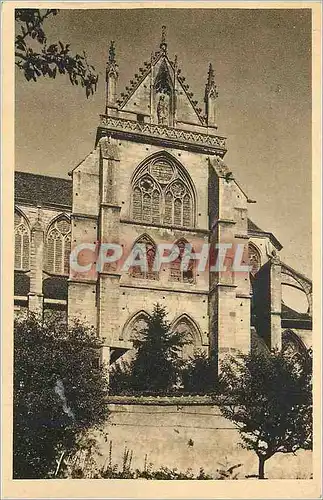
<point>58,246</point>
<point>22,242</point>
<point>145,252</point>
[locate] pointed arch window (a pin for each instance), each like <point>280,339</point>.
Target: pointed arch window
<point>254,258</point>
<point>22,242</point>
<point>162,194</point>
<point>189,332</point>
<point>178,209</point>
<point>176,273</point>
<point>294,348</point>
<point>145,272</point>
<point>146,199</point>
<point>58,246</point>
<point>135,327</point>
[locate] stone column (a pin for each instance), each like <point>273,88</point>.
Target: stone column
<point>275,304</point>
<point>35,294</point>
<point>109,227</point>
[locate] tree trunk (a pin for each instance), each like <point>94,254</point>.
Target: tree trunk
<point>261,468</point>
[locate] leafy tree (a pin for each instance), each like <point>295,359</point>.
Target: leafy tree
<point>59,394</point>
<point>121,379</point>
<point>269,399</point>
<point>49,59</point>
<point>157,362</point>
<point>198,374</point>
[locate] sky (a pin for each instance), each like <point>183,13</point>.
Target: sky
<point>262,62</point>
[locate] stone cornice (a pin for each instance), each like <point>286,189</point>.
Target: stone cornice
<point>120,127</point>
<point>166,226</point>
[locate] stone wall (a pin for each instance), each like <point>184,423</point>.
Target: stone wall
<point>189,436</point>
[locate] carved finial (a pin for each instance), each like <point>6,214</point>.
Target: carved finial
<point>163,44</point>
<point>111,78</point>
<point>210,79</point>
<point>210,87</point>
<point>209,98</point>
<point>112,52</point>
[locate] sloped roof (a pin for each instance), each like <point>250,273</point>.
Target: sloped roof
<point>289,313</point>
<point>43,190</point>
<point>295,319</point>
<point>254,229</point>
<point>142,73</point>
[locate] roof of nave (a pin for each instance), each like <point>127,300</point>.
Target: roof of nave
<point>289,313</point>
<point>35,189</point>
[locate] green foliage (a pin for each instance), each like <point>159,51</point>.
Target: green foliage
<point>111,470</point>
<point>121,379</point>
<point>157,367</point>
<point>269,398</point>
<point>59,393</point>
<point>157,363</point>
<point>51,59</point>
<point>199,374</point>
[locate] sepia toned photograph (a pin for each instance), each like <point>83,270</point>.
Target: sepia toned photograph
<point>162,266</point>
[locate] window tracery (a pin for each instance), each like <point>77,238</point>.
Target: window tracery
<point>161,194</point>
<point>254,259</point>
<point>150,249</point>
<point>189,333</point>
<point>136,327</point>
<point>22,242</point>
<point>58,246</point>
<point>294,348</point>
<point>176,272</point>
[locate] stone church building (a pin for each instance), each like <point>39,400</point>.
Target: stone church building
<point>156,175</point>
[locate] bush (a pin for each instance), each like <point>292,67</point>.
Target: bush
<point>199,374</point>
<point>112,470</point>
<point>121,379</point>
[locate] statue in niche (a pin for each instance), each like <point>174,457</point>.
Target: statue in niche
<point>163,110</point>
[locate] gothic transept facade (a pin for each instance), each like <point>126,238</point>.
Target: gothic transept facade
<point>156,175</point>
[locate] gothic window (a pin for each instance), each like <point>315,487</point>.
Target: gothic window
<point>135,326</point>
<point>146,200</point>
<point>189,333</point>
<point>254,258</point>
<point>176,272</point>
<point>150,252</point>
<point>178,204</point>
<point>294,348</point>
<point>162,194</point>
<point>58,246</point>
<point>22,242</point>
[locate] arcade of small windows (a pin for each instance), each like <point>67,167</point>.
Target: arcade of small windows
<point>22,242</point>
<point>58,247</point>
<point>162,195</point>
<point>176,273</point>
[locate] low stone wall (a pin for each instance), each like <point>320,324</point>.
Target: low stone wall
<point>186,436</point>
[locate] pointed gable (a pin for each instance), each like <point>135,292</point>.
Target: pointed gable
<point>157,105</point>
<point>159,92</point>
